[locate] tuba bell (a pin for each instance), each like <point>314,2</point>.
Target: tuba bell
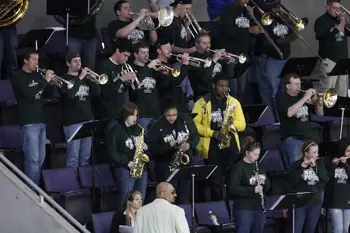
<point>12,12</point>
<point>164,17</point>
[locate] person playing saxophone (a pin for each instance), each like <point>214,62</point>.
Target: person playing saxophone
<point>211,110</point>
<point>121,143</point>
<point>173,138</point>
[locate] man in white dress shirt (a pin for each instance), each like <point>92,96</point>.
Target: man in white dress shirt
<point>162,216</point>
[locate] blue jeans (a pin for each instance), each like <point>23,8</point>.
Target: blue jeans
<point>249,221</point>
<point>78,151</point>
<point>291,150</point>
<point>306,218</point>
<point>34,143</point>
<point>86,48</point>
<point>340,220</point>
<point>8,45</point>
<point>269,71</point>
<point>126,184</point>
<point>144,122</point>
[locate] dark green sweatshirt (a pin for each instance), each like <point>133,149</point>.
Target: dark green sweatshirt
<point>76,102</point>
<point>28,88</point>
<point>121,142</point>
<point>146,97</point>
<point>337,193</point>
<point>308,180</point>
<point>241,185</point>
<point>161,133</point>
<point>112,93</point>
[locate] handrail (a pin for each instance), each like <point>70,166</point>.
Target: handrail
<point>43,195</point>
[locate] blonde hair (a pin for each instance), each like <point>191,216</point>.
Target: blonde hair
<point>306,147</point>
<point>129,198</point>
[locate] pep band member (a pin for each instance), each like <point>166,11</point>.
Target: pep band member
<point>121,142</point>
<point>337,195</point>
<point>308,175</point>
<point>210,110</point>
<point>127,217</point>
<point>76,109</point>
<point>171,133</point>
<point>246,185</point>
<point>28,86</point>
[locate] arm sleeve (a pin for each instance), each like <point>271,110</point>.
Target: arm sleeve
<point>203,130</point>
<point>156,143</point>
<point>324,32</point>
<point>235,187</point>
<point>22,86</point>
<point>295,172</point>
<point>112,148</point>
<point>181,225</point>
<point>95,88</point>
<point>323,174</point>
<point>238,117</point>
<point>193,132</point>
<point>70,93</point>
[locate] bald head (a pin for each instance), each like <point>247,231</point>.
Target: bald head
<point>166,191</point>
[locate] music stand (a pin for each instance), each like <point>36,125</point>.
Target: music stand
<point>303,66</point>
<point>85,130</point>
<point>67,7</point>
<point>292,200</point>
<point>253,113</point>
<point>36,38</point>
<point>199,172</point>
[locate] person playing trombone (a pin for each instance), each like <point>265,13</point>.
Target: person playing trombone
<point>28,86</point>
<point>76,109</point>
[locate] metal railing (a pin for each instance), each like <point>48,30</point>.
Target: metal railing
<point>42,195</point>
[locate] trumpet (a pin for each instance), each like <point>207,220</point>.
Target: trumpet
<point>232,58</point>
<point>192,25</point>
<point>175,72</point>
<point>97,78</point>
<point>58,80</point>
<point>164,16</point>
<point>126,68</point>
<point>266,20</point>
<point>194,61</point>
<point>328,98</point>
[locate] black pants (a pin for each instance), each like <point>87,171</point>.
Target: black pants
<point>182,187</point>
<point>223,159</point>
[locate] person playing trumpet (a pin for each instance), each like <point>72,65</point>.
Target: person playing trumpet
<point>201,77</point>
<point>294,115</point>
<point>307,174</point>
<point>76,109</point>
<point>28,86</point>
<point>125,27</point>
<point>171,133</point>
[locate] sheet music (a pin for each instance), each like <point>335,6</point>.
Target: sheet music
<point>75,133</point>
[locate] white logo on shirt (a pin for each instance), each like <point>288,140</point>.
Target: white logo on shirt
<point>216,117</point>
<point>253,180</point>
<point>148,84</point>
<point>340,175</point>
<point>242,22</point>
<point>83,92</point>
<point>217,69</point>
<point>179,139</point>
<point>136,36</point>
<point>310,176</point>
<point>280,30</point>
<point>303,113</point>
<point>183,32</point>
<point>33,84</point>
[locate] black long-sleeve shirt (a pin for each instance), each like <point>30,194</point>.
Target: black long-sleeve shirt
<point>28,89</point>
<point>76,102</point>
<point>308,179</point>
<point>332,43</point>
<point>241,184</point>
<point>162,132</point>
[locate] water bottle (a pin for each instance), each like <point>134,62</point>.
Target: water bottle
<point>214,218</point>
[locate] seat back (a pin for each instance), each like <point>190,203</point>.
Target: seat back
<point>102,222</point>
<point>218,208</point>
<point>188,212</point>
<point>102,176</point>
<point>272,161</point>
<point>60,180</point>
<point>6,91</point>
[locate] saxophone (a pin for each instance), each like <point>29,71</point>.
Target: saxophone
<point>227,129</point>
<point>140,158</point>
<point>180,158</point>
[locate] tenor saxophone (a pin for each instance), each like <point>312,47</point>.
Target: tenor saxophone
<point>226,127</point>
<point>140,158</point>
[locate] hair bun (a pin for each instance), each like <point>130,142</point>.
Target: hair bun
<point>246,141</point>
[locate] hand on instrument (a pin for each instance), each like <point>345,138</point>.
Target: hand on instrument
<point>343,159</point>
<point>305,163</point>
<point>258,189</point>
<point>144,146</point>
<point>341,25</point>
<point>218,136</point>
<point>310,92</point>
<point>218,54</point>
<point>255,30</point>
<point>336,160</point>
<point>128,77</point>
<point>142,13</point>
<point>49,75</point>
<point>185,146</point>
<point>83,73</point>
<point>131,165</point>
<point>172,143</point>
<point>185,59</point>
<point>154,63</point>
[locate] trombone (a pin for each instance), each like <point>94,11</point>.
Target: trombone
<point>233,57</point>
<point>194,61</point>
<point>165,17</point>
<point>58,80</point>
<point>192,25</point>
<point>175,72</point>
<point>328,98</point>
<point>299,25</point>
<point>101,79</point>
<point>342,14</point>
<point>126,68</point>
<point>266,20</point>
